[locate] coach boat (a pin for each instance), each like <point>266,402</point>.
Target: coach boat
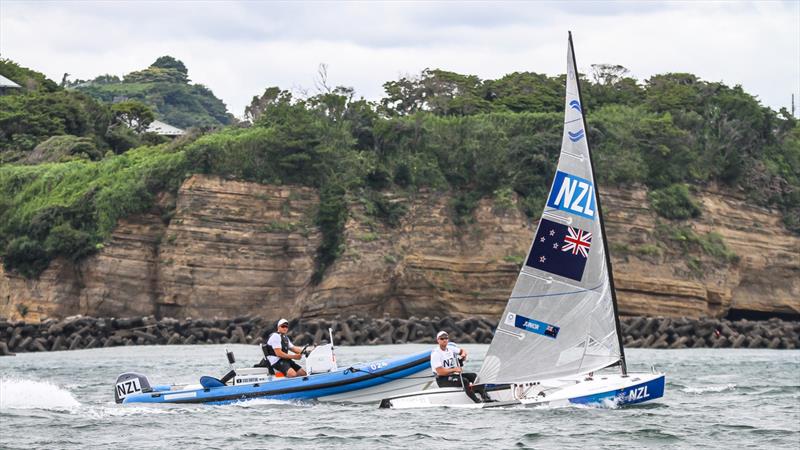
<point>326,382</point>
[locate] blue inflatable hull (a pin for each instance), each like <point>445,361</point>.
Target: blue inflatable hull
<point>359,376</point>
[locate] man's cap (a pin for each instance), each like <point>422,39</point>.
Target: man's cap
<point>283,321</point>
<point>441,333</point>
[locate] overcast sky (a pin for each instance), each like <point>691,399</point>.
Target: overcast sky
<point>237,49</point>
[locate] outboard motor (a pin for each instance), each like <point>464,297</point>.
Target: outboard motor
<point>130,383</point>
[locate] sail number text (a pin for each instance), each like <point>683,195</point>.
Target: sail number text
<point>572,194</point>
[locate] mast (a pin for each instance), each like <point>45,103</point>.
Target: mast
<point>600,213</point>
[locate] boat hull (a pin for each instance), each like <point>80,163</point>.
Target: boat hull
<point>601,390</point>
<point>361,383</point>
<point>645,390</point>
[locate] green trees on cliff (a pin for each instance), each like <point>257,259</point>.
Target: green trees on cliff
<point>165,87</point>
<point>62,187</point>
<point>447,131</point>
<point>42,113</point>
<point>42,109</point>
<point>440,130</point>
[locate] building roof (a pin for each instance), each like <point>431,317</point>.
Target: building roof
<point>164,129</point>
<point>5,82</point>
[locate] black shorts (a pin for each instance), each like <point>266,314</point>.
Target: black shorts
<point>284,365</point>
<point>454,380</point>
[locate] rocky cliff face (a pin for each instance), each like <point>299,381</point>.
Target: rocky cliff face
<point>426,266</point>
<point>237,248</point>
<point>764,275</point>
<point>234,248</point>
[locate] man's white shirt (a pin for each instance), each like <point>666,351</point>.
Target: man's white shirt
<point>447,358</point>
<point>274,341</point>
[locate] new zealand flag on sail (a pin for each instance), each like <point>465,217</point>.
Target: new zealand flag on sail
<point>560,249</point>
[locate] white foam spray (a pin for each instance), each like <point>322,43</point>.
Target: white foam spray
<point>713,388</point>
<point>16,393</point>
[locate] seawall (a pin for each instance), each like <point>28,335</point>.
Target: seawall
<point>80,332</point>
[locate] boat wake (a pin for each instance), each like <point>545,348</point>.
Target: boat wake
<point>704,389</point>
<point>22,394</point>
<point>17,393</point>
<point>261,402</point>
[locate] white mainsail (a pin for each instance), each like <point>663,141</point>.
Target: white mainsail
<point>560,319</point>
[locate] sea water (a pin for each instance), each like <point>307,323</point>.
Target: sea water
<point>714,398</point>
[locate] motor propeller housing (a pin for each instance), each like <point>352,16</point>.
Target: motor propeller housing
<point>130,383</point>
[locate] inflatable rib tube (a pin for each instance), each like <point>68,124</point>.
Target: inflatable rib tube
<point>360,383</point>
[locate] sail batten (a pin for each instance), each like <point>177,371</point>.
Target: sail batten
<point>560,319</point>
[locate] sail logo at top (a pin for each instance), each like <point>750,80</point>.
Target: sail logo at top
<point>572,194</point>
<point>576,136</point>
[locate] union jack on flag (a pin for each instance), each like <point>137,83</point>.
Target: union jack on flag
<point>577,241</point>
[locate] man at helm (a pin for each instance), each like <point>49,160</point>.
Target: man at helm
<point>277,351</point>
<point>446,361</point>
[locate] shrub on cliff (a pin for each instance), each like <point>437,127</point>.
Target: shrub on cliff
<point>387,210</point>
<point>331,217</point>
<point>674,202</point>
<point>69,242</point>
<point>64,148</point>
<point>240,153</point>
<point>26,120</point>
<point>66,209</point>
<point>692,244</point>
<point>26,256</point>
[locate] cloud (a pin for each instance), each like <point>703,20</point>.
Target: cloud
<point>237,49</point>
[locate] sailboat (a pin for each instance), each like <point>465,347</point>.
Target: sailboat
<point>561,327</point>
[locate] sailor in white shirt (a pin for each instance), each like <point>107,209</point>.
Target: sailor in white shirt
<point>446,361</point>
<point>277,348</point>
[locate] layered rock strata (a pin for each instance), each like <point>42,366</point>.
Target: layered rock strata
<point>235,248</point>
<point>762,273</point>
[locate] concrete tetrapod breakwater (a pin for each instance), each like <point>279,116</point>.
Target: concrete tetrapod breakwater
<point>78,332</point>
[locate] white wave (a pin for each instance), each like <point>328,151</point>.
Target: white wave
<point>704,389</point>
<point>113,410</point>
<point>610,403</point>
<point>16,393</point>
<point>257,402</point>
<point>102,412</point>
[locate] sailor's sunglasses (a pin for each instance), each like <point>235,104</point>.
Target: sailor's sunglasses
<point>443,338</point>
<point>284,326</point>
